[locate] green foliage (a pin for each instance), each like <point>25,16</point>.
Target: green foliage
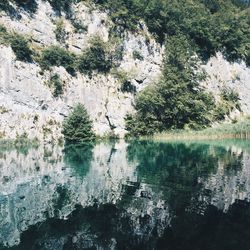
<point>241,3</point>
<point>211,25</point>
<point>60,31</point>
<point>125,80</point>
<point>95,58</point>
<point>192,28</point>
<point>127,86</point>
<point>212,5</point>
<point>220,111</point>
<point>100,57</point>
<point>18,43</point>
<point>29,5</point>
<point>20,46</point>
<point>230,95</point>
<point>4,36</point>
<point>56,85</point>
<point>79,26</point>
<point>120,75</point>
<point>7,7</point>
<point>122,12</point>
<point>137,55</point>
<point>237,129</point>
<point>177,101</point>
<point>4,5</point>
<point>62,6</point>
<point>77,127</point>
<point>229,102</point>
<point>56,56</point>
<point>22,1</point>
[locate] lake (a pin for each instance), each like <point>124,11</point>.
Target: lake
<point>126,195</point>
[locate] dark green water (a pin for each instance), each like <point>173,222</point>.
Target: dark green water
<point>117,195</point>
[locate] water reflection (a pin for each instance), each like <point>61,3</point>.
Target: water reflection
<point>79,158</point>
<point>180,170</point>
<point>107,227</point>
<point>137,195</point>
<point>215,230</point>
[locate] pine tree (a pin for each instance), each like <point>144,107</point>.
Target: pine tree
<point>77,127</point>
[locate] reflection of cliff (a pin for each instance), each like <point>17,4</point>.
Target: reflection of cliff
<point>108,227</point>
<point>192,175</point>
<point>173,169</point>
<point>47,183</point>
<point>231,181</point>
<point>95,227</point>
<point>28,183</point>
<point>114,193</point>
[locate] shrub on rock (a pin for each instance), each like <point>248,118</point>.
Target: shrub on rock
<point>20,46</point>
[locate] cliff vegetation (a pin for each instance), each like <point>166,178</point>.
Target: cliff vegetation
<point>190,31</point>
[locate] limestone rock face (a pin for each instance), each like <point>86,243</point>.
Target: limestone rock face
<point>27,105</point>
<point>39,26</point>
<point>236,76</point>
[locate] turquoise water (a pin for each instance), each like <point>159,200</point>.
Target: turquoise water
<point>118,195</point>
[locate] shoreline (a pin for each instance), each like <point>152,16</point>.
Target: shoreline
<point>239,130</point>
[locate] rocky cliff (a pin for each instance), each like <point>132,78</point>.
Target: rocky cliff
<point>27,105</point>
<point>23,91</point>
<point>235,76</point>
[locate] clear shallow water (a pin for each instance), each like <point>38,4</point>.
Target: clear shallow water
<point>117,195</point>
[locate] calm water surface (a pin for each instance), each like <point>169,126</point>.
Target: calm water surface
<point>117,195</point>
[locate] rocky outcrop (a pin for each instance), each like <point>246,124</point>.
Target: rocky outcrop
<point>27,104</point>
<point>235,76</point>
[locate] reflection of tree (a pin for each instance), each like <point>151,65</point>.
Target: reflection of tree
<point>176,167</point>
<point>79,157</point>
<point>61,199</point>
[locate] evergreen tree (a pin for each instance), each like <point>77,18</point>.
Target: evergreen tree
<point>77,127</point>
<point>177,101</point>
